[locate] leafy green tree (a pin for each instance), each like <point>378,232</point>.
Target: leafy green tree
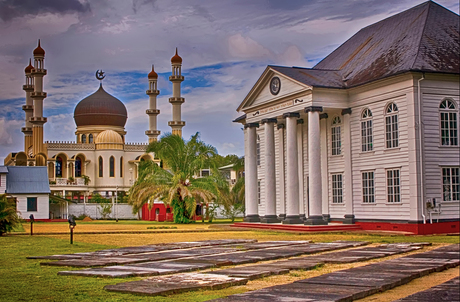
<point>176,183</point>
<point>104,204</point>
<point>8,215</point>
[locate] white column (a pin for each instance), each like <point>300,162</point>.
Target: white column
<point>314,167</point>
<point>292,170</point>
<point>250,179</point>
<point>281,181</point>
<point>270,180</point>
<point>324,167</point>
<point>348,172</point>
<point>300,165</point>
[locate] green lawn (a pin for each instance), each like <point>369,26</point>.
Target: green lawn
<point>23,279</point>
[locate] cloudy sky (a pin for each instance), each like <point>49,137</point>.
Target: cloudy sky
<point>225,46</point>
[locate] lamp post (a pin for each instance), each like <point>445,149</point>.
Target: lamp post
<point>72,225</point>
<point>32,219</point>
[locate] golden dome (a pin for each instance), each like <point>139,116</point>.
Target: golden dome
<point>109,139</point>
<point>153,74</point>
<point>176,59</point>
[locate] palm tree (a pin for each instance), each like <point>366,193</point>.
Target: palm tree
<point>176,184</point>
<point>8,216</point>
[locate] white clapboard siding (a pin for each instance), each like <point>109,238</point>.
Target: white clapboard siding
<point>437,156</point>
<point>335,165</point>
<point>2,183</point>
<point>305,164</point>
<point>42,206</point>
<point>261,168</point>
<point>379,160</point>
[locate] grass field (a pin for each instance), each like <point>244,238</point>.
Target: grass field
<point>25,280</point>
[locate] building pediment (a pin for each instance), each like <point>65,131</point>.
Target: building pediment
<point>272,87</point>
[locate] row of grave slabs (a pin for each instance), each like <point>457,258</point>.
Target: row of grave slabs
<point>168,262</point>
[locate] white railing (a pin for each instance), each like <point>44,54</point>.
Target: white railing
<point>65,182</point>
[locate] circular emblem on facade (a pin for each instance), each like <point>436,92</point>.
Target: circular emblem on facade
<point>275,85</point>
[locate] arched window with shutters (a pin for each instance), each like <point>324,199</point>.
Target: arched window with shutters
<point>90,138</point>
<point>83,138</point>
<point>101,167</point>
<point>58,166</point>
<point>336,140</point>
<point>366,131</point>
<point>112,166</point>
<point>391,126</point>
<point>78,162</point>
<point>449,123</point>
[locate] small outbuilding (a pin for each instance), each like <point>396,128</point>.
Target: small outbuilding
<point>30,186</point>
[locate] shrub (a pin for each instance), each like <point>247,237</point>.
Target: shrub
<point>8,216</point>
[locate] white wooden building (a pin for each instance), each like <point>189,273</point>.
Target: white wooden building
<point>369,135</point>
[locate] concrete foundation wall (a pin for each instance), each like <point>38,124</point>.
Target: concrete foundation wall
<point>93,210</point>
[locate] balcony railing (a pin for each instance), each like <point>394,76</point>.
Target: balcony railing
<point>65,182</point>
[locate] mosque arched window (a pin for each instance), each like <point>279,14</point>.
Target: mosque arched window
<point>59,166</point>
<point>90,138</point>
<point>83,138</point>
<point>121,166</point>
<point>78,166</point>
<point>112,166</point>
<point>101,169</point>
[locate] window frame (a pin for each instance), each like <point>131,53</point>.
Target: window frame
<point>391,126</point>
<point>450,129</point>
<point>367,140</point>
<point>258,150</point>
<point>100,162</point>
<point>83,138</point>
<point>451,185</point>
<point>393,195</point>
<point>336,136</point>
<point>259,199</point>
<point>112,166</point>
<point>121,166</point>
<point>58,163</point>
<point>32,204</point>
<point>337,188</point>
<point>366,195</point>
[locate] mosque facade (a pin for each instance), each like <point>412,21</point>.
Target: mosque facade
<point>99,160</point>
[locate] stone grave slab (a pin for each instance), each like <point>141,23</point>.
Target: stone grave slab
<point>447,291</point>
<point>297,264</point>
<point>302,292</point>
<point>93,262</point>
<point>252,272</point>
<point>378,280</point>
<point>174,284</point>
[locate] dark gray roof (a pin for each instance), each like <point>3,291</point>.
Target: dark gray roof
<point>3,170</point>
<point>423,38</point>
<point>23,180</point>
<point>240,118</point>
<point>313,77</point>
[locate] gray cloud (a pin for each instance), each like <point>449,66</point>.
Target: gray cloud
<point>10,9</point>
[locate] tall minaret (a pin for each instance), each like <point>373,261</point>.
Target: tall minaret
<point>37,120</point>
<point>28,107</point>
<point>152,112</point>
<point>176,100</point>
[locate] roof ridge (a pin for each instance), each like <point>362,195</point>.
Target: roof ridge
<point>421,35</point>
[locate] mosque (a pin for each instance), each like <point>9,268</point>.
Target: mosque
<point>99,160</point>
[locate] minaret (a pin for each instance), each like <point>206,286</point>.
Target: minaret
<point>152,112</point>
<point>37,120</point>
<point>28,107</point>
<point>176,100</point>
